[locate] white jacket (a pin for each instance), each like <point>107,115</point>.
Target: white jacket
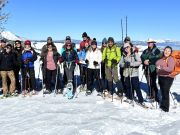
<point>92,56</point>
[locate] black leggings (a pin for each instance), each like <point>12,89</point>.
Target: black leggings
<point>165,85</point>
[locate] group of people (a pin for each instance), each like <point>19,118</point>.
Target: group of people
<point>98,65</point>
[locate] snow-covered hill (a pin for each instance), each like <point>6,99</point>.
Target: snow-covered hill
<point>10,36</point>
<point>86,115</point>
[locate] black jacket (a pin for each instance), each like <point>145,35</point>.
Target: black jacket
<point>7,61</point>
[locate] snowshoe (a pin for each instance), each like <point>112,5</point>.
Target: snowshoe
<point>14,94</point>
<point>88,92</point>
<point>69,92</point>
<point>4,96</point>
<point>34,92</point>
<point>47,92</point>
<point>99,94</point>
<point>142,105</point>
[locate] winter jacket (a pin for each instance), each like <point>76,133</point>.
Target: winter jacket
<point>152,55</point>
<point>18,53</point>
<point>92,56</point>
<point>135,62</point>
<point>82,56</point>
<point>7,61</point>
<point>70,56</point>
<point>166,66</point>
<point>111,53</point>
<point>28,55</point>
<point>82,44</point>
<point>64,48</point>
<point>44,49</point>
<point>56,56</point>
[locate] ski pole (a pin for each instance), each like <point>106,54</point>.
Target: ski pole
<point>38,77</point>
<point>131,90</point>
<point>172,98</point>
<point>55,90</point>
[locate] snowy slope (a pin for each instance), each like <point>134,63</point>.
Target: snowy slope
<point>90,115</point>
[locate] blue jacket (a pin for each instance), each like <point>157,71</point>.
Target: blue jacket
<point>28,55</point>
<point>82,54</point>
<point>70,56</point>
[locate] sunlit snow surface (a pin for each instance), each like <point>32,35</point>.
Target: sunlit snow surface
<point>85,115</point>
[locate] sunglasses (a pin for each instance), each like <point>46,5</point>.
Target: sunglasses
<point>68,45</point>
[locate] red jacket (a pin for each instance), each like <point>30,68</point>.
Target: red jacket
<point>82,44</point>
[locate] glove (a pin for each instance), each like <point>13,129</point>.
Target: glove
<point>95,63</point>
<point>113,61</point>
<point>77,62</point>
<point>60,60</point>
<point>127,64</point>
<point>26,61</point>
<point>87,61</point>
<point>40,62</point>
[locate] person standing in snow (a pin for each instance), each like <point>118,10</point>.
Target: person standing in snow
<point>103,75</point>
<point>86,40</point>
<point>93,60</point>
<point>130,62</point>
<point>29,56</point>
<point>7,64</point>
<point>51,68</point>
<point>2,45</point>
<point>70,59</point>
<point>111,57</point>
<point>43,53</point>
<point>18,52</point>
<point>149,58</point>
<point>67,41</point>
<point>165,66</point>
<point>83,66</point>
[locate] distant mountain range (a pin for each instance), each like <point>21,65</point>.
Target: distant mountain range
<point>160,42</point>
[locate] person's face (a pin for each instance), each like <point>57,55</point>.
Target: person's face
<point>84,38</point>
<point>128,49</point>
<point>3,44</point>
<point>110,43</point>
<point>167,52</point>
<point>8,49</point>
<point>17,44</point>
<point>150,45</point>
<point>94,46</point>
<point>68,46</point>
<point>104,45</point>
<point>27,46</point>
<point>49,41</point>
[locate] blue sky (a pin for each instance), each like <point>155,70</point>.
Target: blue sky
<point>38,19</point>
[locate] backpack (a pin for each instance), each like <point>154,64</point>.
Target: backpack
<point>176,56</point>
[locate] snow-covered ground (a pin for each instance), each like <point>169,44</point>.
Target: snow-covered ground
<point>86,115</point>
